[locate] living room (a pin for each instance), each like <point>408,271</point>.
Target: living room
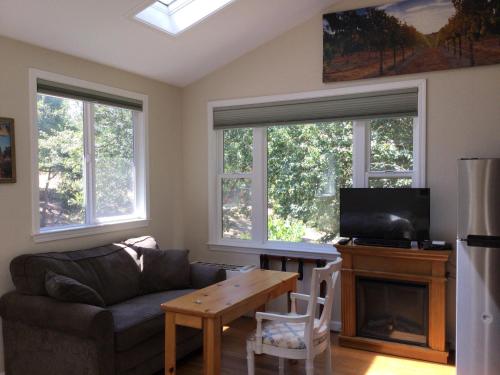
<point>181,94</point>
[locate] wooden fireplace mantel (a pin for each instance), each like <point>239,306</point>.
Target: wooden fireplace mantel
<point>413,265</point>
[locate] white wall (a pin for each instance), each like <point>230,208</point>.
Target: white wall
<point>463,119</point>
<point>164,140</point>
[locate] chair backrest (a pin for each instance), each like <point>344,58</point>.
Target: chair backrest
<point>328,274</point>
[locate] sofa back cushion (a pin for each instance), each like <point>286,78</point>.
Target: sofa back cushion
<point>165,270</point>
<point>110,270</point>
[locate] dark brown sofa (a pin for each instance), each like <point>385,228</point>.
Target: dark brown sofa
<point>43,336</point>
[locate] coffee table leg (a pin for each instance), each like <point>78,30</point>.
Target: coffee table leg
<point>212,332</point>
<point>170,343</point>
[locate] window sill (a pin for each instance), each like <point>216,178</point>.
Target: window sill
<point>281,249</point>
<point>88,230</point>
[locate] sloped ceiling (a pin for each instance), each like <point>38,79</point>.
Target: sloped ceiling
<point>104,31</point>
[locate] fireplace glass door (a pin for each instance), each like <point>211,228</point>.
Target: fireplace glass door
<point>392,310</point>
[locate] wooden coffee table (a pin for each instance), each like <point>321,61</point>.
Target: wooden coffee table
<point>210,308</point>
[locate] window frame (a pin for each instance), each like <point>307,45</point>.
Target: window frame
<point>259,243</point>
<point>141,160</point>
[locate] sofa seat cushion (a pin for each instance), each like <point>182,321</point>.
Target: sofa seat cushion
<point>141,318</point>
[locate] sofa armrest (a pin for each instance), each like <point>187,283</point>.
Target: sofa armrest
<point>203,275</point>
<point>81,320</point>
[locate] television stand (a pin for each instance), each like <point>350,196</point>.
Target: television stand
<point>402,244</point>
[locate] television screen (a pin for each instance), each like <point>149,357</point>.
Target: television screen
<point>391,214</point>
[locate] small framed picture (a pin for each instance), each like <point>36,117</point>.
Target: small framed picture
<point>7,151</point>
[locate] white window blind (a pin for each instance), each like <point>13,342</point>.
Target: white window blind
<point>393,103</point>
<point>88,95</point>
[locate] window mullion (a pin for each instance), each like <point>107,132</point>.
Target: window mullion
<point>236,175</point>
<point>360,151</point>
<point>416,175</point>
<point>88,137</point>
<point>139,168</point>
<point>259,199</point>
<point>219,161</point>
<point>389,174</point>
<point>220,152</point>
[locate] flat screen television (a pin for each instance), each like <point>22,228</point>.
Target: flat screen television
<point>386,214</point>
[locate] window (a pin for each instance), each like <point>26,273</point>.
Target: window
<point>391,152</point>
<point>91,158</point>
<point>306,164</point>
<point>236,182</point>
<point>279,183</point>
<point>60,161</point>
<point>175,16</point>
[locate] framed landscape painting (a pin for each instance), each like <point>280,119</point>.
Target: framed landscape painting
<point>410,36</point>
<point>7,151</point>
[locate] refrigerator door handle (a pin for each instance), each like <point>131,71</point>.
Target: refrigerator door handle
<point>483,241</point>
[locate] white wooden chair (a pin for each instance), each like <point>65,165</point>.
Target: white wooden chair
<point>296,336</point>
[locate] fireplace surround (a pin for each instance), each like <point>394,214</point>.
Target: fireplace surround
<point>393,301</point>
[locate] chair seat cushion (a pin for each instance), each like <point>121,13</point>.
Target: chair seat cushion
<point>141,318</point>
<point>288,335</point>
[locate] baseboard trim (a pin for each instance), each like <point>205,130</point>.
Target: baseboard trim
<point>335,326</point>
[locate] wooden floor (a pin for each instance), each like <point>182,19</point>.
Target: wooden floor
<point>345,361</point>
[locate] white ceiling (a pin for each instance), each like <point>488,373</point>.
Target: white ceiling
<point>104,31</point>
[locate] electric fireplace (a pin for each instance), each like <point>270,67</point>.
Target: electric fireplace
<point>394,301</point>
<point>392,310</point>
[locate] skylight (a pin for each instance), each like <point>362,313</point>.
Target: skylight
<point>174,5</point>
<point>175,16</point>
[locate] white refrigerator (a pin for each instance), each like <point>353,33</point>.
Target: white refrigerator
<point>478,267</point>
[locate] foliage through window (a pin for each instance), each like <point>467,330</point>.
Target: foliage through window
<point>60,161</point>
<point>304,166</point>
<point>236,183</point>
<point>86,162</point>
<point>114,161</point>
<point>391,152</point>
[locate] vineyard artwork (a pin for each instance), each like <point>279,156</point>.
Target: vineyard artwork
<point>410,36</point>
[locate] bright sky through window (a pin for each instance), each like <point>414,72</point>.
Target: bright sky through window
<point>175,16</point>
<point>175,5</point>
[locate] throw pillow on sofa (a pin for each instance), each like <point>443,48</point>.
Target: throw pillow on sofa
<point>164,270</point>
<point>139,243</point>
<point>66,289</point>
